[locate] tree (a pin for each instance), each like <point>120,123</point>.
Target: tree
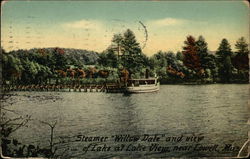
<point>108,58</point>
<point>224,50</point>
<point>207,60</point>
<point>59,58</point>
<point>131,58</point>
<point>201,46</point>
<point>160,59</point>
<point>43,74</point>
<point>191,58</point>
<point>12,68</point>
<point>117,42</point>
<point>159,63</point>
<point>175,67</point>
<point>224,54</point>
<point>171,58</point>
<point>211,67</point>
<point>241,46</point>
<point>241,60</point>
<point>30,71</point>
<point>202,52</point>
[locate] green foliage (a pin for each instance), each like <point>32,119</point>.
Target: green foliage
<point>159,59</point>
<point>132,57</point>
<point>167,66</point>
<point>37,66</point>
<point>158,63</point>
<point>12,67</point>
<point>194,63</point>
<point>108,58</point>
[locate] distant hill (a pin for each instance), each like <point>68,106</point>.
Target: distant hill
<point>79,56</point>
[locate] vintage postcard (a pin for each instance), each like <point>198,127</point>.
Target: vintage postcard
<point>124,79</point>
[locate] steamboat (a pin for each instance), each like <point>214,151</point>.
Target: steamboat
<point>143,85</point>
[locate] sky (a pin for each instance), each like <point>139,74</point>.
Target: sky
<point>91,24</point>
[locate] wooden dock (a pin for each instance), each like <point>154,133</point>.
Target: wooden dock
<point>112,88</point>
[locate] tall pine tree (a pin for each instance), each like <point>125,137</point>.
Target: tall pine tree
<point>241,46</point>
<point>208,62</point>
<point>224,50</point>
<point>202,51</point>
<point>224,54</point>
<point>241,60</point>
<point>132,58</point>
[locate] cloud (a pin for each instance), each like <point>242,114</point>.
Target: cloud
<point>167,22</point>
<point>84,24</point>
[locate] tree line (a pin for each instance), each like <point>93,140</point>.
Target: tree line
<point>194,63</point>
<point>124,57</point>
<point>52,65</point>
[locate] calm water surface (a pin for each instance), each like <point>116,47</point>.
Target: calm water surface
<point>217,112</point>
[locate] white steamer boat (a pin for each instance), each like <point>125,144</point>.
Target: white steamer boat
<point>143,85</point>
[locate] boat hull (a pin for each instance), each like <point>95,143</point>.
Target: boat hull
<point>143,88</point>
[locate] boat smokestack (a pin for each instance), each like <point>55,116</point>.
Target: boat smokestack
<point>147,73</point>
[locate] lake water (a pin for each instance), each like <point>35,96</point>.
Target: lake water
<point>217,112</point>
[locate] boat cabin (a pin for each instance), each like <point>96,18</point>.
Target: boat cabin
<point>146,81</point>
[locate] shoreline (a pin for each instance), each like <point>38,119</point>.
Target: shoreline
<point>108,88</point>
